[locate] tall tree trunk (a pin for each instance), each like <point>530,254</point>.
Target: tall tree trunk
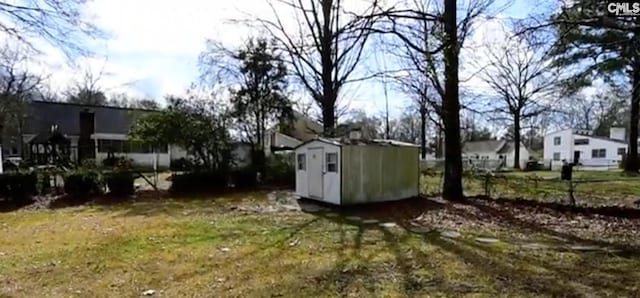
<point>423,132</point>
<point>452,189</point>
<point>632,163</point>
<point>516,141</point>
<point>329,92</point>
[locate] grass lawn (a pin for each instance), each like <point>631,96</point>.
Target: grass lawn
<point>592,187</point>
<point>215,248</point>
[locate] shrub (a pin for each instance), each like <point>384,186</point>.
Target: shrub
<point>198,182</point>
<point>181,164</point>
<point>244,178</point>
<point>120,183</point>
<point>82,183</point>
<point>18,187</point>
<point>280,171</point>
<point>118,162</point>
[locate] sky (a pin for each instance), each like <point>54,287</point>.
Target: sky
<point>153,47</point>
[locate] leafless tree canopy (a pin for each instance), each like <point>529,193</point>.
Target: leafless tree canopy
<point>324,47</point>
<point>523,79</point>
<point>61,23</point>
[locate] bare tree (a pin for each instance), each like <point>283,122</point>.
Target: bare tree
<point>17,86</point>
<point>61,23</point>
<point>324,47</point>
<point>522,77</point>
<point>430,36</point>
<point>88,91</point>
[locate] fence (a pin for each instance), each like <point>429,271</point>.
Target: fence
<point>587,188</point>
<point>483,164</point>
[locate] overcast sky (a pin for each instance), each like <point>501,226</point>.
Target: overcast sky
<point>154,45</point>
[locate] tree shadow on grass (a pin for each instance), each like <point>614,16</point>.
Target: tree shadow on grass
<point>150,203</point>
<point>509,220</point>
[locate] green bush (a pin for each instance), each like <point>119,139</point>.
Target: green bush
<point>83,183</point>
<point>244,178</point>
<point>280,171</point>
<point>120,183</point>
<point>181,164</point>
<point>18,187</point>
<point>198,182</point>
<point>118,162</point>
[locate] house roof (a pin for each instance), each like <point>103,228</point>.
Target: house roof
<point>111,120</point>
<point>483,146</point>
<point>603,138</point>
<point>359,142</point>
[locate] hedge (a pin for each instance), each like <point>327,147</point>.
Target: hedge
<point>83,183</point>
<point>120,183</point>
<point>198,182</point>
<point>18,187</point>
<point>244,178</point>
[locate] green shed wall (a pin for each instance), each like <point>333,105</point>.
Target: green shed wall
<point>379,173</point>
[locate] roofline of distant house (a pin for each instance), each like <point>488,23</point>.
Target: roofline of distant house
<point>603,138</point>
<point>94,106</point>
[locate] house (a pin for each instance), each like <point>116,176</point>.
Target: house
<point>582,147</point>
<point>354,171</point>
<point>288,136</point>
<point>90,131</point>
<point>494,152</point>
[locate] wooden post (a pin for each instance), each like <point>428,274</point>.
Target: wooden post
<point>572,199</point>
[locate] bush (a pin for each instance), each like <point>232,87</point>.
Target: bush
<point>118,162</point>
<point>533,165</point>
<point>18,187</point>
<point>198,182</point>
<point>280,171</point>
<point>244,178</point>
<point>181,164</point>
<point>83,183</point>
<point>120,183</point>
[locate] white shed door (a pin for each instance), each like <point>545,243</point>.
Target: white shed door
<point>315,172</point>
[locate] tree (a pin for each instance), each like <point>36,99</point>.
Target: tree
<point>521,76</point>
<point>259,98</point>
<point>407,127</point>
<point>88,92</point>
<point>61,23</point>
<point>17,87</point>
<point>193,123</point>
<point>324,49</point>
<point>370,126</point>
<point>433,36</point>
<point>125,101</point>
<point>599,45</point>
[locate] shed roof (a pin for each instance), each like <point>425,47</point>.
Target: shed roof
<point>359,142</point>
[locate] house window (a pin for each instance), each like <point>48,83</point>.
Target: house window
<point>622,151</point>
<point>302,162</point>
<point>598,153</point>
<point>556,141</point>
<point>556,156</point>
<point>122,146</point>
<point>114,146</point>
<point>581,142</point>
<point>332,162</point>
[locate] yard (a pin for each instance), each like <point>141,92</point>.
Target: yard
<point>260,244</point>
<point>591,188</point>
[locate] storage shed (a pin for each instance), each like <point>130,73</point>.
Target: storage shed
<point>354,171</point>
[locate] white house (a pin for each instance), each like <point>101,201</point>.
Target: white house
<point>494,152</point>
<point>583,148</point>
<point>354,171</point>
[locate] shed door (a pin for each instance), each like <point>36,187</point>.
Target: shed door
<point>315,172</point>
